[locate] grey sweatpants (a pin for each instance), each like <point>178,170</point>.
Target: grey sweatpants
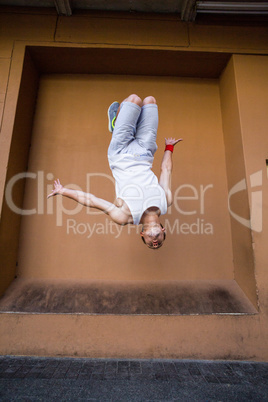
<point>135,130</point>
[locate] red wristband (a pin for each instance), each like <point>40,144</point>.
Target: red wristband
<point>169,148</point>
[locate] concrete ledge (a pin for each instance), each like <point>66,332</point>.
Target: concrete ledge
<point>135,297</point>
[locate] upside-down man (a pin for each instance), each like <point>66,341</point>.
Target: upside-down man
<point>141,199</point>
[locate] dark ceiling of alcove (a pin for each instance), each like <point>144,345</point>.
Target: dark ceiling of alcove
<point>67,60</point>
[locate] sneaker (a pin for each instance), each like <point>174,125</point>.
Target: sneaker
<point>112,111</point>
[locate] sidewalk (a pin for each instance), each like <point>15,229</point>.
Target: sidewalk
<point>68,379</point>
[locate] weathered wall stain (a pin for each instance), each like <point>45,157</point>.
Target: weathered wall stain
<point>185,297</point>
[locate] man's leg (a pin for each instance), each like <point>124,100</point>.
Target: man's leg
<point>149,100</point>
<point>147,125</point>
<point>125,124</point>
<point>131,98</point>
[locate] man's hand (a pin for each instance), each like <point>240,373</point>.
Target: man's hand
<point>57,188</point>
<point>172,141</point>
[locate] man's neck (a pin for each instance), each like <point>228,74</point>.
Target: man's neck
<point>150,216</point>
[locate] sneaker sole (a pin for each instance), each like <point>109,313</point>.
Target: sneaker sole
<point>109,121</point>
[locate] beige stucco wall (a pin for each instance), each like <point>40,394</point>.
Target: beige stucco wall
<point>252,85</point>
<point>200,159</point>
<point>70,141</point>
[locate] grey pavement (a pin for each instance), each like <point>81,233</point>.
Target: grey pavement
<point>70,379</point>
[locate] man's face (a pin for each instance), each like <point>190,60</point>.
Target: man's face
<point>153,235</point>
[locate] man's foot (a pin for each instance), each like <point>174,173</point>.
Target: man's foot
<point>112,111</point>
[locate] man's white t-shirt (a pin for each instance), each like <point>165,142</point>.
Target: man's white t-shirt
<point>136,184</point>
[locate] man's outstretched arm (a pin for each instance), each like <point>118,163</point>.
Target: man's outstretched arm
<point>166,168</point>
<point>90,200</point>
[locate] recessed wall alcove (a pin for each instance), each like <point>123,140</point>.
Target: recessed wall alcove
<point>63,259</point>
